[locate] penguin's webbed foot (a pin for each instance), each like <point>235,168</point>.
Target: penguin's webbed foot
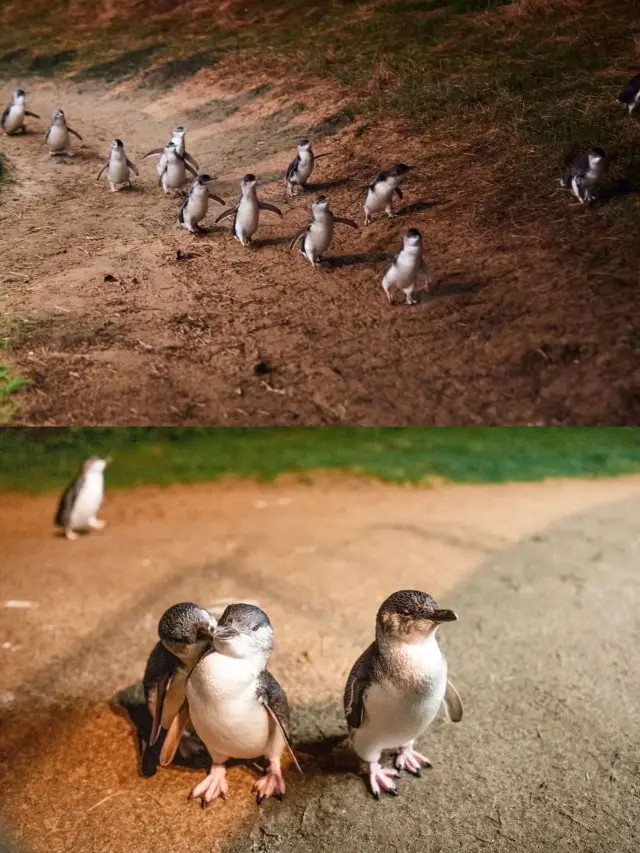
<point>212,786</point>
<point>382,779</point>
<point>97,524</point>
<point>70,535</point>
<point>271,784</point>
<point>410,760</point>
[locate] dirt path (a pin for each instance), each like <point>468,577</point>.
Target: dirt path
<point>112,328</point>
<point>544,759</point>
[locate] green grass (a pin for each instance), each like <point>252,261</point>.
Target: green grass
<point>39,459</point>
<point>10,383</point>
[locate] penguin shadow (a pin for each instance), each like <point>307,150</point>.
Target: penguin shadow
<point>336,262</point>
<point>453,289</point>
<point>624,185</point>
<point>272,241</point>
<point>329,754</point>
<point>417,207</point>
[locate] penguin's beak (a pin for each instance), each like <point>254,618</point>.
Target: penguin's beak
<point>222,632</point>
<point>444,616</point>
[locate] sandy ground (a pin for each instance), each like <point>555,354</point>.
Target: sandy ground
<point>544,578</point>
<point>118,315</point>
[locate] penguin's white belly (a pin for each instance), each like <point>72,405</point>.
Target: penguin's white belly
<point>378,199</point>
<point>305,167</point>
<point>196,209</point>
<point>405,270</point>
<point>318,238</point>
<point>247,219</point>
<point>162,162</point>
<point>15,119</point>
<point>118,171</point>
<point>224,709</point>
<point>88,502</point>
<point>175,176</point>
<point>58,139</point>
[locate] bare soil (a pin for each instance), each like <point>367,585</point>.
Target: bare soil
<point>120,316</point>
<point>544,578</point>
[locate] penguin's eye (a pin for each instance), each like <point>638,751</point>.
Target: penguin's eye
<point>255,627</point>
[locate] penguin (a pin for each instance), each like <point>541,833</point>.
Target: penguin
<point>406,266</point>
<point>317,235</point>
<point>13,117</point>
<point>585,174</point>
<point>381,189</point>
<point>57,137</point>
<point>630,94</point>
<point>186,633</point>
<point>194,208</point>
<point>82,499</point>
<point>118,167</point>
<point>299,170</point>
<point>177,137</point>
<point>246,213</point>
<point>397,686</point>
<point>174,174</point>
<point>235,705</point>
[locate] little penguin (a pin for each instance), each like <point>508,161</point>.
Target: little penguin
<point>406,267</point>
<point>381,189</point>
<point>178,138</point>
<point>57,137</point>
<point>585,174</point>
<point>246,213</point>
<point>118,167</point>
<point>186,633</point>
<point>81,500</point>
<point>194,208</point>
<point>630,94</point>
<point>317,235</point>
<point>235,705</point>
<point>174,174</point>
<point>299,170</point>
<point>397,686</point>
<point>13,117</point>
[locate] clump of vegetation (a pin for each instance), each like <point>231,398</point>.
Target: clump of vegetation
<point>10,383</point>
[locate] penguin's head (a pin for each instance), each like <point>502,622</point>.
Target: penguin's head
<point>399,170</point>
<point>58,115</point>
<point>412,238</point>
<point>95,464</point>
<point>116,144</point>
<point>409,616</point>
<point>186,627</point>
<point>179,131</point>
<point>596,157</point>
<point>19,95</point>
<point>203,180</point>
<point>320,204</point>
<point>304,145</point>
<point>249,181</point>
<point>243,631</point>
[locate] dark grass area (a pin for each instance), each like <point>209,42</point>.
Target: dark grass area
<point>36,460</point>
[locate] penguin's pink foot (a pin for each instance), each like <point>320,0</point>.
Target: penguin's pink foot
<point>96,524</point>
<point>410,760</point>
<point>214,785</point>
<point>272,784</point>
<point>382,779</point>
<point>70,535</point>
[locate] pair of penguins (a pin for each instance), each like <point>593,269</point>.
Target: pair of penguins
<point>207,682</point>
<point>211,678</point>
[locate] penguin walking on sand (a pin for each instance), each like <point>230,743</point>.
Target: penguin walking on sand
<point>235,705</point>
<point>174,174</point>
<point>300,169</point>
<point>13,117</point>
<point>57,137</point>
<point>186,633</point>
<point>178,138</point>
<point>317,235</point>
<point>397,686</point>
<point>194,208</point>
<point>585,175</point>
<point>81,500</point>
<point>118,167</point>
<point>406,267</point>
<point>381,190</point>
<point>630,94</point>
<point>246,213</point>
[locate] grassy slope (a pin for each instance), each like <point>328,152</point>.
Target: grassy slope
<point>36,460</point>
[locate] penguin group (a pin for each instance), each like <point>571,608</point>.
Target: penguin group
<point>407,266</point>
<point>207,688</point>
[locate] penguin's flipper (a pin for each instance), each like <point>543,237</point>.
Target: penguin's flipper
<point>133,168</point>
<point>318,156</point>
<point>46,136</point>
<point>217,198</point>
<point>67,501</point>
<point>263,205</point>
<point>100,173</point>
<point>190,168</point>
<point>297,237</point>
<point>162,174</point>
<point>344,221</point>
<point>5,116</point>
<point>172,740</point>
<point>75,132</point>
<point>292,168</point>
<point>452,703</point>
<point>358,683</point>
<point>274,699</point>
<point>189,159</point>
<point>399,192</point>
<point>29,113</point>
<point>161,692</point>
<point>227,213</point>
<point>153,151</point>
